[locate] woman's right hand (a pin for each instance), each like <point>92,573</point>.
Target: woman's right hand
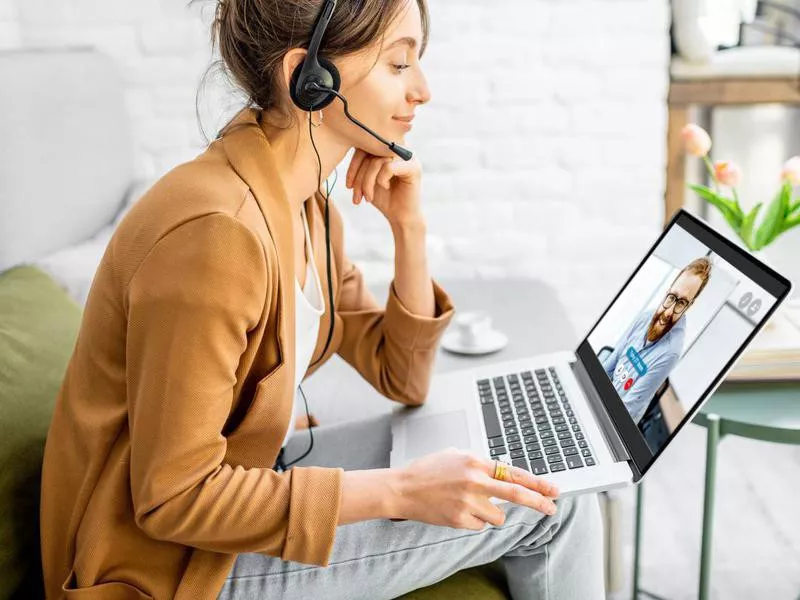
<point>452,487</point>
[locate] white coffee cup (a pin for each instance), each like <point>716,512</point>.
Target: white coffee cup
<point>472,326</point>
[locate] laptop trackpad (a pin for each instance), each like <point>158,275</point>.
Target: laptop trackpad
<point>436,432</point>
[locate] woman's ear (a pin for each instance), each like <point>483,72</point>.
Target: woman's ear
<point>290,61</point>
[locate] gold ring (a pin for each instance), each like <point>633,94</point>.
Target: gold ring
<point>501,471</point>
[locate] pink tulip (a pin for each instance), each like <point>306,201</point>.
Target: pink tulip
<point>791,171</point>
<point>696,140</point>
<point>727,173</point>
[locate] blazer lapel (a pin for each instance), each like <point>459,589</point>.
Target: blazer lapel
<point>252,157</point>
<point>315,211</point>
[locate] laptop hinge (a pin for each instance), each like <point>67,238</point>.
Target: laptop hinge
<point>615,443</point>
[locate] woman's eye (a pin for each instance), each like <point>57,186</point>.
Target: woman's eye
<point>401,67</point>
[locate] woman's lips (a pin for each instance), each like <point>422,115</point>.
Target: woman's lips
<point>404,124</point>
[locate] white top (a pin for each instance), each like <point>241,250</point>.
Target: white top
<point>309,306</point>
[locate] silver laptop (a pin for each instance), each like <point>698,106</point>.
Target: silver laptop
<point>598,417</point>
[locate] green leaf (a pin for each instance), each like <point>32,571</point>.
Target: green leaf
<point>789,223</point>
<point>786,190</point>
<point>773,220</point>
<point>746,233</point>
<point>793,208</point>
<point>729,209</point>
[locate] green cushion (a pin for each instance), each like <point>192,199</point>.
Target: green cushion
<point>38,328</point>
<point>486,582</point>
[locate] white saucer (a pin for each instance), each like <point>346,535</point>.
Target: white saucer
<point>490,342</point>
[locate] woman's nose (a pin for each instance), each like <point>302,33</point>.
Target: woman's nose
<point>419,93</point>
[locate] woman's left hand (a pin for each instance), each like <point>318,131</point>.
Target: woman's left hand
<point>392,185</point>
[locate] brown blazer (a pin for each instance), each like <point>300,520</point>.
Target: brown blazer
<point>158,462</point>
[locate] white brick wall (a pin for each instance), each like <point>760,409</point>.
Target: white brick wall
<point>543,146</point>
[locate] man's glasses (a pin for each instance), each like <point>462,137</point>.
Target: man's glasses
<point>680,303</point>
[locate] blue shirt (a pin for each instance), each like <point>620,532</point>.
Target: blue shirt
<point>637,367</point>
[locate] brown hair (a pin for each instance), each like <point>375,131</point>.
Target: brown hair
<point>254,35</point>
<point>701,267</point>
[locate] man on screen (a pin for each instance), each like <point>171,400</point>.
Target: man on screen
<point>646,353</point>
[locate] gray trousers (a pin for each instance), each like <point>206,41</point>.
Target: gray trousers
<point>545,557</point>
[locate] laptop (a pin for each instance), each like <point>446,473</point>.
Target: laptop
<point>598,417</point>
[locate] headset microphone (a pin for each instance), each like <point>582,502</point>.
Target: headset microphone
<point>397,149</point>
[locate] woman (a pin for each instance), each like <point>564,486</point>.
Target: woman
<point>211,303</point>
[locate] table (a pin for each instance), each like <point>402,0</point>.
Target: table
<point>739,76</point>
<point>767,411</point>
<point>528,311</point>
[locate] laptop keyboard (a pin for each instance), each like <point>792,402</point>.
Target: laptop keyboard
<point>528,418</point>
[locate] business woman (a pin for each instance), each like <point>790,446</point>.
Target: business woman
<point>163,473</point>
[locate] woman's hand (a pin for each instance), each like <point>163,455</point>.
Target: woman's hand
<point>452,488</point>
<point>392,185</point>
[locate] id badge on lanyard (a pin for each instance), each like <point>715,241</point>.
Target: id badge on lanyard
<point>625,375</point>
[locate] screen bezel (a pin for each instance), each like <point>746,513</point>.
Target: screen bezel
<point>772,282</point>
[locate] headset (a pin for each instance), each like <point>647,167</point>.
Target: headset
<point>314,85</point>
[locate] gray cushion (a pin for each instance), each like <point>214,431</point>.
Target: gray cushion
<point>66,156</point>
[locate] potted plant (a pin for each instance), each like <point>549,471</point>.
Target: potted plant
<point>782,213</point>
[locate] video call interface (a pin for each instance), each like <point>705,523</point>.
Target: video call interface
<point>673,329</point>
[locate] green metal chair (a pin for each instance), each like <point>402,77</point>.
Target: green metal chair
<point>767,411</point>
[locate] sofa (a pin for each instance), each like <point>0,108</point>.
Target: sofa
<point>57,213</point>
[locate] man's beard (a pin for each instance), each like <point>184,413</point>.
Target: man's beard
<point>654,334</point>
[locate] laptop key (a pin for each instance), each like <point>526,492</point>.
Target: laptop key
<point>589,462</point>
<point>528,431</point>
<point>549,442</point>
<point>515,446</point>
<point>517,453</point>
<point>579,436</point>
<point>522,463</point>
<point>576,428</point>
<point>586,452</point>
<point>556,467</point>
<point>539,467</point>
<point>513,438</point>
<point>554,458</point>
<point>582,443</point>
<point>532,447</point>
<point>529,438</point>
<point>565,443</point>
<point>498,451</point>
<point>535,454</point>
<point>551,450</point>
<point>570,451</point>
<point>496,441</point>
<point>574,462</point>
<point>491,421</point>
<point>546,434</point>
<point>565,435</point>
<point>562,427</point>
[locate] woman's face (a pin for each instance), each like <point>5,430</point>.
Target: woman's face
<point>377,95</point>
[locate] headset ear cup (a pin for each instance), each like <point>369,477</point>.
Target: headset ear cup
<point>328,76</point>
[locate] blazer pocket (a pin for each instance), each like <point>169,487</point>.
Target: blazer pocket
<point>110,590</point>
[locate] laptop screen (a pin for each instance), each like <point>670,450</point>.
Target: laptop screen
<point>679,323</point>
